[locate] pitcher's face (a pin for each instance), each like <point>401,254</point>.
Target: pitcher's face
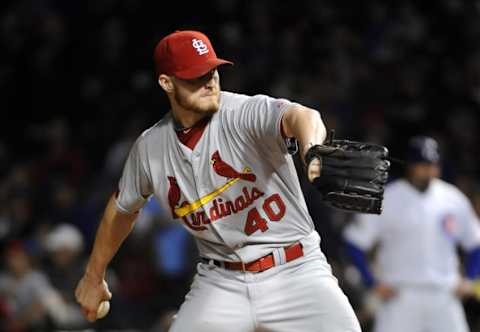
<point>200,95</point>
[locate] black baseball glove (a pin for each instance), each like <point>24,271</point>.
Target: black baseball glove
<point>352,174</point>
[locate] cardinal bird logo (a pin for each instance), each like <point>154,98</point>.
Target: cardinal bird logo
<point>173,195</point>
<point>223,169</point>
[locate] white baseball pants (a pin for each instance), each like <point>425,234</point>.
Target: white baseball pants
<point>421,309</point>
<point>301,295</point>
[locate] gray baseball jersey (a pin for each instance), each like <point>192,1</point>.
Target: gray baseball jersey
<point>237,191</point>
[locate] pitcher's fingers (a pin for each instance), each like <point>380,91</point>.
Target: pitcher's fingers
<point>77,294</point>
<point>84,312</point>
<point>91,316</point>
<point>108,294</point>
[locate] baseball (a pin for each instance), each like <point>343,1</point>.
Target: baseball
<point>103,309</point>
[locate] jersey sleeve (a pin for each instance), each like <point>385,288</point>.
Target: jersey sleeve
<point>135,185</point>
<point>363,231</point>
<point>470,226</point>
<point>262,117</point>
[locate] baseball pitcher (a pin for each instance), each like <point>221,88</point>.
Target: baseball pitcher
<point>220,163</point>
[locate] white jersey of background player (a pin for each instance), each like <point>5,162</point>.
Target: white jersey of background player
<point>423,221</point>
<point>219,162</point>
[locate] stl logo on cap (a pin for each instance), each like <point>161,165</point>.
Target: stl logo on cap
<point>178,54</point>
<point>199,46</point>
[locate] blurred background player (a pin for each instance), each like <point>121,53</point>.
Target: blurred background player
<point>423,221</point>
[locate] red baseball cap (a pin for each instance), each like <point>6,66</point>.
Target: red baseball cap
<point>186,55</point>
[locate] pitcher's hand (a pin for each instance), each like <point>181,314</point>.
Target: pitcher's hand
<point>89,293</point>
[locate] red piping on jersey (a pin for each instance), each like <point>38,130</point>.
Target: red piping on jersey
<point>190,136</point>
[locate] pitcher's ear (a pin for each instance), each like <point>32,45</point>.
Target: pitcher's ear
<point>166,83</point>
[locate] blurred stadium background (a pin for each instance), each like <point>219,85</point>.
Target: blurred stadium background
<point>77,86</point>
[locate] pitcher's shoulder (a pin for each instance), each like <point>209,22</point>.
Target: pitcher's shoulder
<point>232,101</point>
<point>156,133</point>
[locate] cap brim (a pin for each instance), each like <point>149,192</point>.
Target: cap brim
<point>200,70</point>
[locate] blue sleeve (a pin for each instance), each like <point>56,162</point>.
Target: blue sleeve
<point>472,266</point>
<point>360,261</point>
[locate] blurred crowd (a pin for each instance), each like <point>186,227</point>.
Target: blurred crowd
<point>77,86</point>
